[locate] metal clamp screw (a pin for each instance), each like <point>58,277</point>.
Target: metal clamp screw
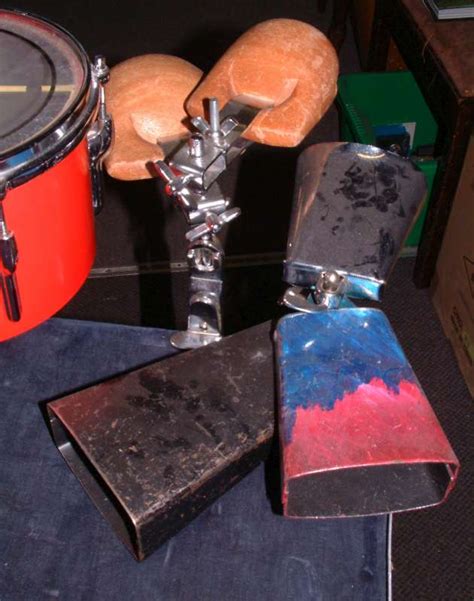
<point>330,282</point>
<point>101,69</point>
<point>212,224</point>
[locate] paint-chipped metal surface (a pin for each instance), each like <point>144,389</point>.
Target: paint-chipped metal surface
<point>353,208</point>
<point>169,438</point>
<point>358,435</point>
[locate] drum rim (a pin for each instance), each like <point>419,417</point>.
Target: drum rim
<point>50,146</point>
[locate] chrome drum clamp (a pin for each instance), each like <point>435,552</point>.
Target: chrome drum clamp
<point>191,174</point>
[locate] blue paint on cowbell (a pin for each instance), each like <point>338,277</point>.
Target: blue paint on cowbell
<point>324,356</point>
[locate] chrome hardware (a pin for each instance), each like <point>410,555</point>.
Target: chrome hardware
<point>330,290</point>
<point>100,134</point>
<point>8,263</point>
<point>306,300</point>
<point>204,257</point>
<point>214,119</point>
<point>220,143</point>
<point>190,174</point>
<point>196,146</point>
<point>191,199</point>
<point>201,125</point>
<point>330,282</point>
<point>212,224</point>
<point>101,69</point>
<point>47,151</point>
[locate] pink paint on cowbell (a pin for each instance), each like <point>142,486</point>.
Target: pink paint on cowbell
<point>375,425</point>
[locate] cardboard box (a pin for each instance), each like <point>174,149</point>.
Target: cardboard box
<point>453,284</point>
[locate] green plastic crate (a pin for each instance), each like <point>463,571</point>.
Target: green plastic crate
<point>370,99</point>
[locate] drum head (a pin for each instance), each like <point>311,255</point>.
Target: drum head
<point>43,76</point>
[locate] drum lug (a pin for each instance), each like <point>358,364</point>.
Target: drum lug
<point>8,263</point>
<point>99,136</point>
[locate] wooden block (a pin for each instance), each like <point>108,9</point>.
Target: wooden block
<point>285,67</point>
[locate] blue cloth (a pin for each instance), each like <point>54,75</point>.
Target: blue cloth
<point>54,544</point>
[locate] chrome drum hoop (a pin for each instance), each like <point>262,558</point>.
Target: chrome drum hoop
<point>41,155</point>
<point>86,117</point>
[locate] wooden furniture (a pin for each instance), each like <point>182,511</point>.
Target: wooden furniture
<point>361,14</point>
<point>337,27</point>
<point>441,57</point>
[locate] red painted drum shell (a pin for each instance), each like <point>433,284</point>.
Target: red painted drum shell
<point>52,219</point>
<point>49,101</point>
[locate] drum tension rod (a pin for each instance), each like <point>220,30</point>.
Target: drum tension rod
<point>99,135</point>
<point>8,263</point>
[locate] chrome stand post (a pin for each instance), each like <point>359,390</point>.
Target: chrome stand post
<point>190,173</point>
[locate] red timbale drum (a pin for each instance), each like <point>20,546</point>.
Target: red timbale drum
<point>53,132</point>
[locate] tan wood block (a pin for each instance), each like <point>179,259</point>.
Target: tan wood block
<point>286,67</point>
<point>145,96</point>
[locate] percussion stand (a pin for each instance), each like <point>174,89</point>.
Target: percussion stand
<point>190,174</point>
